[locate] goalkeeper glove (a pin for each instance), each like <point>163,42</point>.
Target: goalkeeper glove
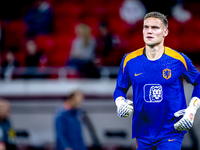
<point>188,114</point>
<point>124,107</point>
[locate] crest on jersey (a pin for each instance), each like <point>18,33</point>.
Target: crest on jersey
<point>167,73</point>
<point>153,93</point>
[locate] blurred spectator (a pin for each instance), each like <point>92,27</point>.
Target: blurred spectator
<point>33,55</point>
<point>36,61</point>
<point>132,11</point>
<point>82,52</point>
<point>39,18</point>
<point>68,126</point>
<point>9,65</point>
<point>7,134</point>
<point>108,52</point>
<point>180,14</point>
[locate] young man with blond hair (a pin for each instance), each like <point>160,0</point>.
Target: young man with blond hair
<point>156,75</point>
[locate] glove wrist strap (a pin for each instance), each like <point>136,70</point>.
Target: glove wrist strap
<point>119,100</point>
<point>195,103</point>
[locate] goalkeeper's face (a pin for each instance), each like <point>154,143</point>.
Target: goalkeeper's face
<point>154,31</point>
<point>77,100</point>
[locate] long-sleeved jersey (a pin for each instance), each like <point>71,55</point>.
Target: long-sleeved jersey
<point>157,90</point>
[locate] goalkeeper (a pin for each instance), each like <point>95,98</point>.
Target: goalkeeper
<point>161,116</point>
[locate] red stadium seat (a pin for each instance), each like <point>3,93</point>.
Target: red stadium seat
<point>173,41</point>
<point>192,26</point>
<point>15,29</point>
<point>60,54</point>
<point>117,26</point>
<point>69,9</point>
<point>190,42</point>
<point>98,11</point>
<point>134,42</point>
<point>55,47</point>
<point>174,26</point>
<point>20,57</point>
<point>65,25</point>
<point>58,58</point>
<point>46,43</point>
<point>112,8</point>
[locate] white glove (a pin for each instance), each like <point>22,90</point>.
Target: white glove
<point>188,114</point>
<point>124,107</point>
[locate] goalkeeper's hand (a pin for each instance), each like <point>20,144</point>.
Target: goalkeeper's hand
<point>188,114</point>
<point>124,107</point>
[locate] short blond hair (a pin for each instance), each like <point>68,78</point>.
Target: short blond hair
<point>158,15</point>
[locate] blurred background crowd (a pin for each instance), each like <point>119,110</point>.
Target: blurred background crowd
<point>80,42</point>
<point>86,35</point>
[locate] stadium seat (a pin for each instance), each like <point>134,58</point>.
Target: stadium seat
<point>60,54</point>
<point>134,42</point>
<point>174,26</point>
<point>117,26</point>
<point>190,42</point>
<point>65,25</point>
<point>98,11</point>
<point>67,9</point>
<point>15,29</point>
<point>173,41</point>
<point>46,43</point>
<point>20,57</point>
<point>192,26</point>
<point>112,8</point>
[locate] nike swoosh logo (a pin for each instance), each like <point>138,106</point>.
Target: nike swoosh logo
<point>138,74</point>
<point>169,140</point>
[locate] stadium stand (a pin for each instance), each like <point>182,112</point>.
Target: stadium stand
<point>67,14</point>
